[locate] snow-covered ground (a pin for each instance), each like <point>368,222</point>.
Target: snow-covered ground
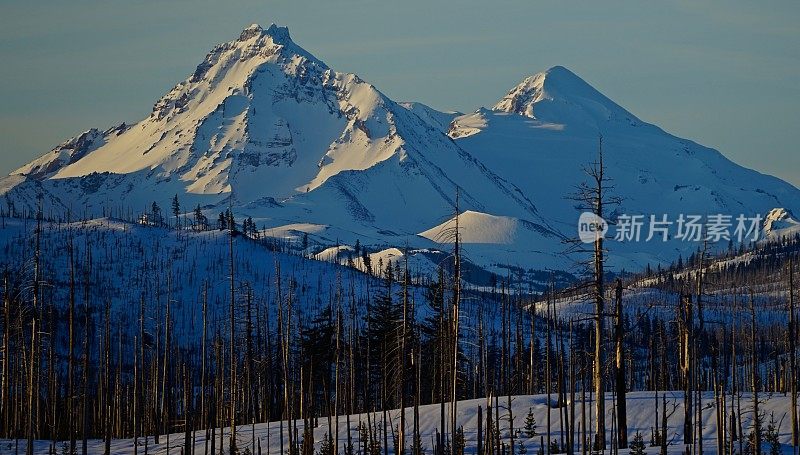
<point>132,262</point>
<point>641,418</point>
<point>720,308</point>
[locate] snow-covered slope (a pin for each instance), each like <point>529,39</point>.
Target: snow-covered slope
<point>641,411</point>
<point>436,119</point>
<point>545,130</point>
<point>268,129</point>
<point>476,227</point>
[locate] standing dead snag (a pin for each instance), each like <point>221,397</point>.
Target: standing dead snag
<point>248,395</point>
<point>754,368</point>
<point>571,436</point>
<point>547,373</point>
<point>71,355</point>
<point>338,334</point>
<point>686,342</point>
<point>456,315</point>
<point>401,433</point>
<point>107,381</point>
<point>232,343</point>
<point>792,334</point>
<point>619,334</point>
<point>592,197</point>
<point>532,385</point>
<point>5,400</point>
<point>600,410</point>
<point>204,336</point>
<point>187,411</point>
<point>166,387</point>
<point>33,383</point>
<point>85,368</point>
<point>139,427</point>
<point>664,416</point>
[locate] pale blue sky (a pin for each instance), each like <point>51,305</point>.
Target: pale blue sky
<point>722,73</point>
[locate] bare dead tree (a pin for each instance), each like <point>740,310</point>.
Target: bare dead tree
<point>594,196</point>
<point>792,335</point>
<point>232,345</point>
<point>755,379</point>
<point>619,336</point>
<point>33,370</point>
<point>71,348</point>
<point>455,321</point>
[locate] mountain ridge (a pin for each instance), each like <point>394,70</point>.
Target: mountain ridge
<point>268,129</point>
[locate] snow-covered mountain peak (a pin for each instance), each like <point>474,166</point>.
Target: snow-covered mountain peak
<point>230,66</point>
<point>779,219</point>
<point>226,114</point>
<point>558,95</point>
<point>279,34</point>
<point>275,33</point>
<point>265,128</point>
<point>255,40</point>
<point>273,44</point>
<point>251,31</point>
<point>260,120</point>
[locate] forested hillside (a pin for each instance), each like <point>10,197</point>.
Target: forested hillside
<point>115,330</point>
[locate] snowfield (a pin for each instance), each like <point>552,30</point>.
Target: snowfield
<point>641,418</point>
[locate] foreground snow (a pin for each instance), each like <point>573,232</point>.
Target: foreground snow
<point>641,418</point>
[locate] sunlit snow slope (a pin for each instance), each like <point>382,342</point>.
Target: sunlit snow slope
<point>268,129</point>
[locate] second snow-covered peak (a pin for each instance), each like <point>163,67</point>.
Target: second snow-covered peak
<point>559,95</point>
